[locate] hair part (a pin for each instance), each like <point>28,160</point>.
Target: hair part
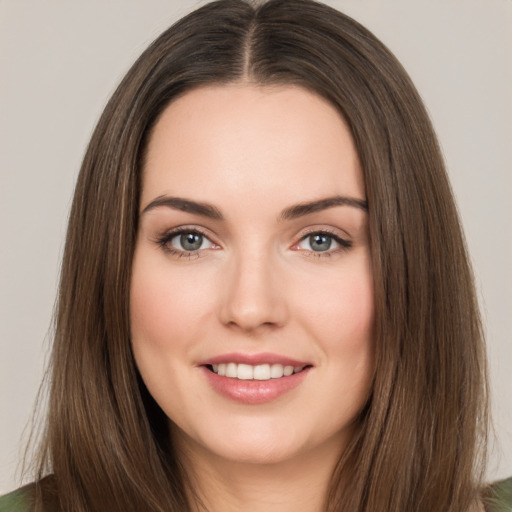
<point>107,443</point>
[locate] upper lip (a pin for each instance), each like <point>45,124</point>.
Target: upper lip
<point>253,359</point>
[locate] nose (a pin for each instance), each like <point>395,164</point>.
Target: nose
<point>254,296</point>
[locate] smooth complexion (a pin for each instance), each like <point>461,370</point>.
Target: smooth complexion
<point>231,267</point>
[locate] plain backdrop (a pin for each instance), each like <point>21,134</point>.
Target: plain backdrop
<point>61,60</point>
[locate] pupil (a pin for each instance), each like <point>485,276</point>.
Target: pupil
<point>191,241</point>
<point>320,242</point>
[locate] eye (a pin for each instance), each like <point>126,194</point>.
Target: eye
<point>323,242</point>
<point>189,241</point>
<point>318,242</point>
<point>185,242</point>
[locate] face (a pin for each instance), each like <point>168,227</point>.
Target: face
<point>252,296</point>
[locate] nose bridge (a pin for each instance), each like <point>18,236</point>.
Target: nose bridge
<point>253,297</point>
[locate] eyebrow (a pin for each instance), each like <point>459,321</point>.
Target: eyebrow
<point>292,212</point>
<point>185,205</point>
<point>302,209</point>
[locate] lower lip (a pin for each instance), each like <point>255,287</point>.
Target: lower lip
<point>253,391</point>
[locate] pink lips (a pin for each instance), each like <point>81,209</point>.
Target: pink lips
<point>253,391</point>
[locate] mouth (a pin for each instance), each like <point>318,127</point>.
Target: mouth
<point>260,372</point>
<point>254,379</point>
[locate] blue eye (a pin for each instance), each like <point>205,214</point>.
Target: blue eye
<point>188,241</point>
<point>185,242</point>
<point>323,242</point>
<point>320,242</point>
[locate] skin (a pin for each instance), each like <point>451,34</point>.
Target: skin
<point>256,285</point>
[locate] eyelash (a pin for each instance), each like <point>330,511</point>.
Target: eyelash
<point>164,243</point>
<point>344,245</point>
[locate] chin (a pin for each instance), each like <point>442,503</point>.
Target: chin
<point>249,444</point>
<point>260,451</point>
<point>260,443</point>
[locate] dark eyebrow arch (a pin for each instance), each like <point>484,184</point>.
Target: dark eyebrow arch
<point>301,209</point>
<point>185,205</point>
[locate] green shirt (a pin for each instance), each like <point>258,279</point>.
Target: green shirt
<point>17,501</point>
<point>498,498</point>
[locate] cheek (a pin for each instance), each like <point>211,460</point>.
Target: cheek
<point>164,306</point>
<point>151,323</point>
<point>350,336</point>
<point>164,311</point>
<point>355,316</point>
<point>342,312</point>
<point>340,317</point>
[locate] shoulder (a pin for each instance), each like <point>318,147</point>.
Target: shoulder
<point>24,498</point>
<point>498,496</point>
<point>20,500</point>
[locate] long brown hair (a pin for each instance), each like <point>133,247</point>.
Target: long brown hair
<point>423,429</point>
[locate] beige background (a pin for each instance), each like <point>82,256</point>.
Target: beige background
<point>60,61</point>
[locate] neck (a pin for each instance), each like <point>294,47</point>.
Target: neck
<point>222,485</point>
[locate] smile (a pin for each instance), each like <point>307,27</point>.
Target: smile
<point>254,378</point>
<point>257,372</point>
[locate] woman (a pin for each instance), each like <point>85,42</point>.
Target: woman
<point>265,298</point>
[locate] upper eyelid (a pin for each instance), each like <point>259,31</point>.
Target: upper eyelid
<point>188,229</point>
<point>330,230</point>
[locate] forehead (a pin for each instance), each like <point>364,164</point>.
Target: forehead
<point>234,139</point>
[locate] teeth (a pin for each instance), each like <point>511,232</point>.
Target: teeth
<point>262,372</point>
<point>276,371</point>
<point>245,371</point>
<point>258,372</point>
<point>231,370</point>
